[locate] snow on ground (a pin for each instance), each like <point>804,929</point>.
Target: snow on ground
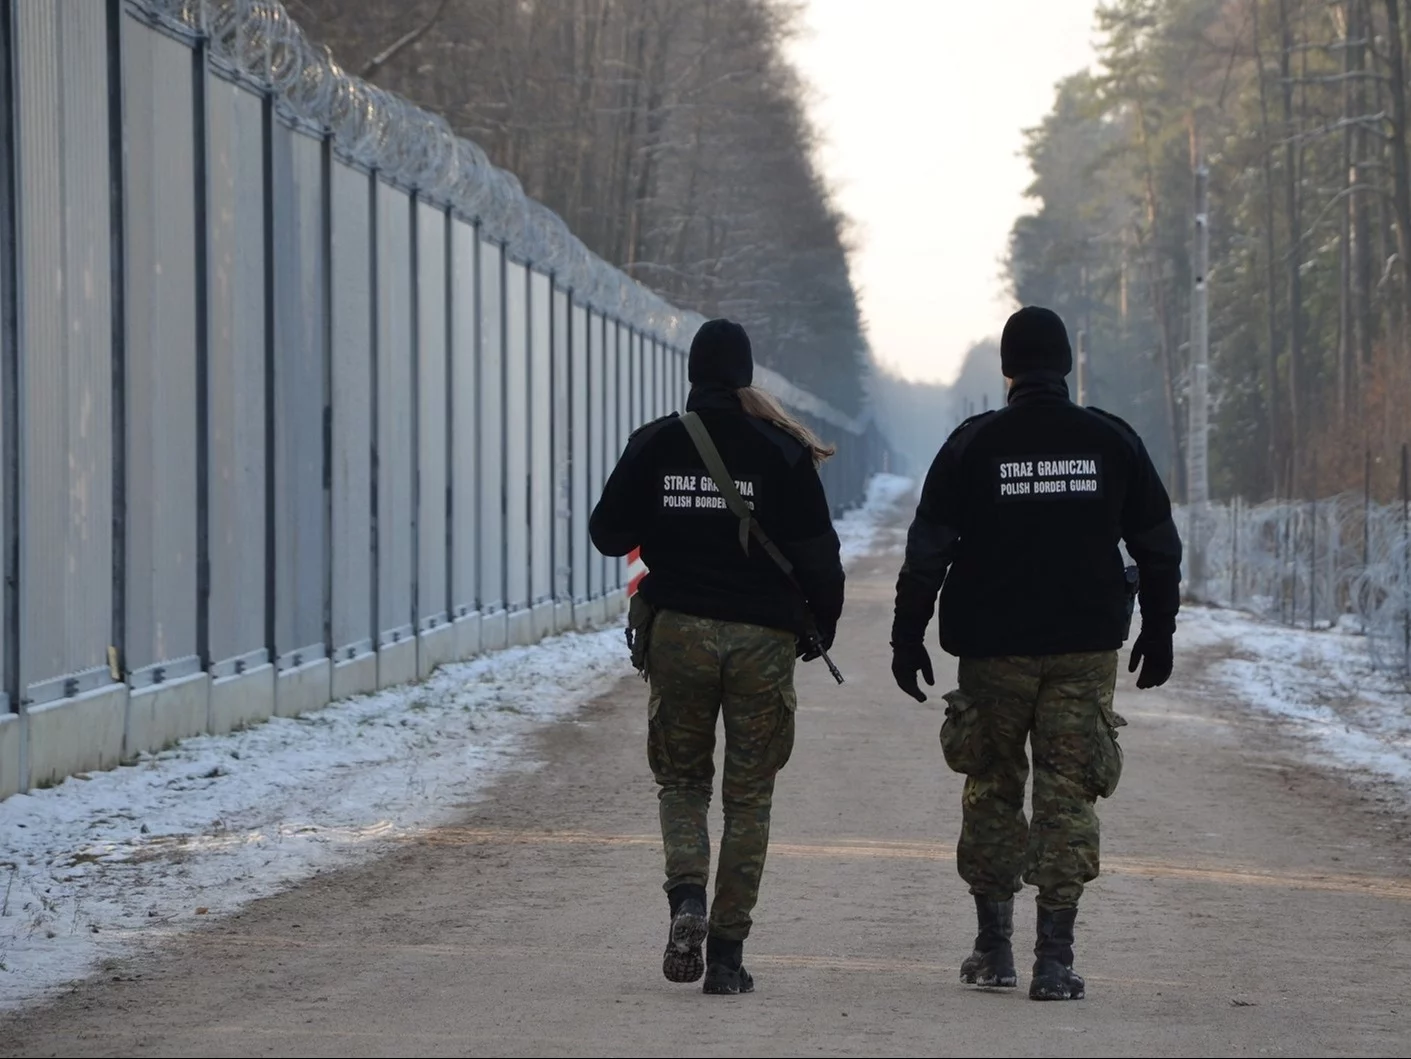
<point>96,864</point>
<point>1320,686</point>
<point>100,863</point>
<point>858,529</point>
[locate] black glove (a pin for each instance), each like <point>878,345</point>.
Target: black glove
<point>1154,652</point>
<point>808,652</point>
<point>907,660</point>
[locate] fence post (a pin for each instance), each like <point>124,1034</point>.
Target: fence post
<point>202,352</point>
<point>12,569</point>
<point>1313,565</point>
<point>1235,552</point>
<point>117,654</point>
<point>1280,529</point>
<point>1405,563</point>
<point>1366,508</point>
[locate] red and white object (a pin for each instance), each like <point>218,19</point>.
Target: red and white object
<point>636,570</point>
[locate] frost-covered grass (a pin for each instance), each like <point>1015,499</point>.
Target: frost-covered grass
<point>1320,685</point>
<point>102,861</point>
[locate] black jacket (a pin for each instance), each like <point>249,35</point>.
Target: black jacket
<point>1020,518</point>
<point>661,497</point>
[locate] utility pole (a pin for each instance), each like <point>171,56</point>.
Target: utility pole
<point>1197,440</point>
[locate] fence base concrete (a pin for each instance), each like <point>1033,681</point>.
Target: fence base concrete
<point>467,636</point>
<point>543,620</point>
<point>396,664</point>
<point>158,716</point>
<point>96,730</point>
<point>521,628</point>
<point>435,647</point>
<point>242,700</point>
<point>11,730</point>
<point>76,735</point>
<point>356,676</point>
<point>304,688</point>
<point>494,631</point>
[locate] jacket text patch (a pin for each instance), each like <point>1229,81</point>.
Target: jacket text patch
<point>696,491</point>
<point>1048,478</point>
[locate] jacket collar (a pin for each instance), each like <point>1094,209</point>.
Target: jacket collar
<point>1039,387</point>
<point>713,398</point>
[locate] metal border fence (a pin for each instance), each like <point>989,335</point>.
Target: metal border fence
<point>299,395</point>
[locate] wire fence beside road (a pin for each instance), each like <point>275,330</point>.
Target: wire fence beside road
<point>1340,561</point>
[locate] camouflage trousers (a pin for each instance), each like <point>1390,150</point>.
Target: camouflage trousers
<point>1063,704</point>
<point>700,668</point>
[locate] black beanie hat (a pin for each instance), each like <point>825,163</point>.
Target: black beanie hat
<point>721,356</point>
<point>1034,339</point>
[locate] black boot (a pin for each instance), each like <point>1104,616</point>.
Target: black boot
<point>725,971</point>
<point>683,962</point>
<point>992,962</point>
<point>1053,958</point>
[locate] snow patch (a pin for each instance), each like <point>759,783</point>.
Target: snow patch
<point>104,861</point>
<point>1320,684</point>
<point>858,528</point>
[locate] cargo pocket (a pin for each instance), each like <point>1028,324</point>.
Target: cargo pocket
<point>658,754</point>
<point>965,737</point>
<point>1105,758</point>
<point>781,743</point>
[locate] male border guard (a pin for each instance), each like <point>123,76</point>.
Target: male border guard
<point>1017,530</point>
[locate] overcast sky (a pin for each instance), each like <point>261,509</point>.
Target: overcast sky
<point>922,105</point>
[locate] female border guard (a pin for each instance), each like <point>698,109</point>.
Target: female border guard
<point>717,627</point>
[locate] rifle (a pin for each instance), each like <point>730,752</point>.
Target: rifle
<point>749,526</point>
<point>1133,587</point>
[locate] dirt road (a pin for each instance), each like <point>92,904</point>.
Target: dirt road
<point>1248,906</point>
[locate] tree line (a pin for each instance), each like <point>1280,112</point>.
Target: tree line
<point>670,135</point>
<point>1298,111</point>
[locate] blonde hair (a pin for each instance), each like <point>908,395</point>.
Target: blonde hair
<point>762,405</point>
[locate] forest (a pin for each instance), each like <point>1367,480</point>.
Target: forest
<point>671,135</point>
<point>1297,109</point>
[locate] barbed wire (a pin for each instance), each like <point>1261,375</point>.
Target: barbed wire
<point>1341,561</point>
<point>418,149</point>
